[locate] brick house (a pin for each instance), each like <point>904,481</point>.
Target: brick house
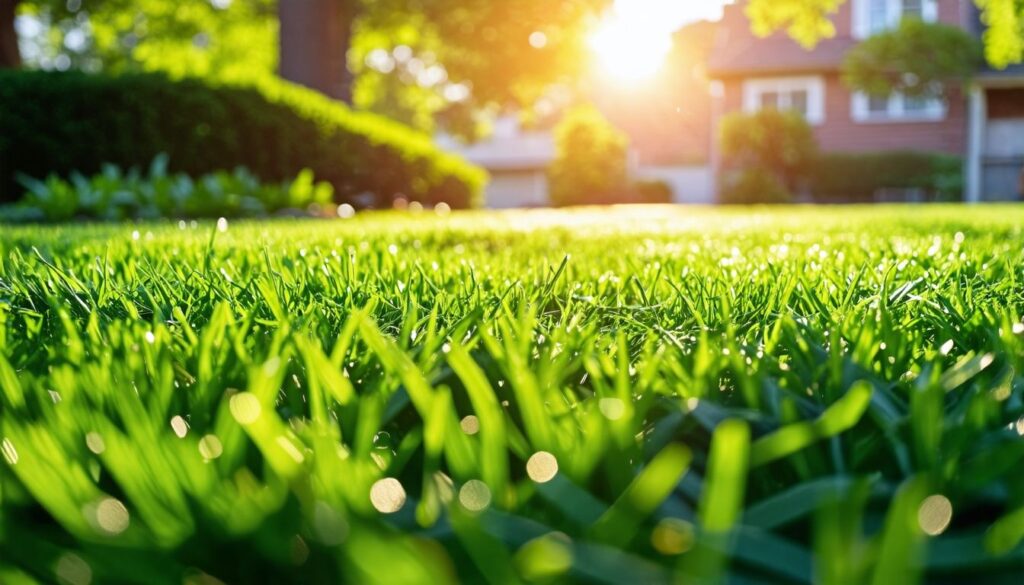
<point>984,125</point>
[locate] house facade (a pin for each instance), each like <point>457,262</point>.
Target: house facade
<point>984,125</point>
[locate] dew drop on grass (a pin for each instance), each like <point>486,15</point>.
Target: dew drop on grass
<point>542,467</point>
<point>387,495</point>
<point>475,496</point>
<point>150,337</point>
<point>947,347</point>
<point>346,211</point>
<point>935,514</point>
<point>71,569</point>
<point>10,453</point>
<point>112,517</point>
<point>222,225</point>
<point>673,536</point>
<point>612,408</point>
<point>179,426</point>
<point>210,447</point>
<point>245,407</point>
<point>1018,328</point>
<point>95,443</point>
<point>470,425</point>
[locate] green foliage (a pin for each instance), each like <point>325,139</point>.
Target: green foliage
<point>752,186</point>
<point>60,123</point>
<point>590,164</point>
<point>652,191</point>
<point>195,38</point>
<point>116,195</point>
<point>918,59</point>
<point>792,396</point>
<point>771,149</point>
<point>810,21</point>
<point>1004,37</point>
<point>858,177</point>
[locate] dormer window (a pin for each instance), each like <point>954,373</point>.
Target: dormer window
<point>871,17</point>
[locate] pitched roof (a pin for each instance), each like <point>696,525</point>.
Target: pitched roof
<point>739,52</point>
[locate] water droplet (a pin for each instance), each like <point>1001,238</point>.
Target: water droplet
<point>935,514</point>
<point>673,536</point>
<point>612,408</point>
<point>470,425</point>
<point>346,211</point>
<point>179,426</point>
<point>95,443</point>
<point>542,467</point>
<point>387,495</point>
<point>475,496</point>
<point>222,225</point>
<point>150,337</point>
<point>10,453</point>
<point>71,569</point>
<point>210,447</point>
<point>947,347</point>
<point>112,517</point>
<point>245,407</point>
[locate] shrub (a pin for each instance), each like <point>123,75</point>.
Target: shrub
<point>114,194</point>
<point>590,165</point>
<point>768,149</point>
<point>846,178</point>
<point>652,191</point>
<point>918,59</point>
<point>64,122</point>
<point>753,186</point>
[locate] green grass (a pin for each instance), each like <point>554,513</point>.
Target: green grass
<point>785,396</point>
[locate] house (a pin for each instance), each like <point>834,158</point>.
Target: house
<point>984,125</point>
<point>517,160</point>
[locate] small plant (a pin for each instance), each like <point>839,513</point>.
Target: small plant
<point>114,194</point>
<point>773,149</point>
<point>591,161</point>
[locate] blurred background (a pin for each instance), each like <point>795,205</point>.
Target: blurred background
<point>504,104</point>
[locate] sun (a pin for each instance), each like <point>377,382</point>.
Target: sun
<point>628,53</point>
<point>633,41</point>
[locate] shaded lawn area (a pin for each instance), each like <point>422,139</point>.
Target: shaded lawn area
<point>786,395</point>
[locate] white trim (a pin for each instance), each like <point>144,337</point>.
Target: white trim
<point>753,89</point>
<point>894,14</point>
<point>935,111</point>
<point>977,113</point>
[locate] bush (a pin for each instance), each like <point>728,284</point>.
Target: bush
<point>591,161</point>
<point>754,186</point>
<point>770,152</point>
<point>851,178</point>
<point>653,191</point>
<point>115,195</point>
<point>64,122</point>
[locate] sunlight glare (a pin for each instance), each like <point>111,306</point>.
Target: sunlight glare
<point>633,41</point>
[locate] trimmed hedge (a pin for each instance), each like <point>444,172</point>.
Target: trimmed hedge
<point>848,178</point>
<point>65,122</point>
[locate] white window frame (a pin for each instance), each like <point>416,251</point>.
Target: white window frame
<point>935,111</point>
<point>894,13</point>
<point>753,89</point>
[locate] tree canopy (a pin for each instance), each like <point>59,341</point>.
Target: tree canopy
<point>810,21</point>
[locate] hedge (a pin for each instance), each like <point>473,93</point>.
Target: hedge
<point>846,178</point>
<point>65,122</point>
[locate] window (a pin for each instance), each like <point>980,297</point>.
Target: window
<point>897,108</point>
<point>804,95</point>
<point>871,17</point>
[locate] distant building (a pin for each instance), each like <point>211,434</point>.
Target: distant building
<point>986,126</point>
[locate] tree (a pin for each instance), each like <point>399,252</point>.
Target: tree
<point>590,165</point>
<point>809,21</point>
<point>918,59</point>
<point>10,56</point>
<point>768,147</point>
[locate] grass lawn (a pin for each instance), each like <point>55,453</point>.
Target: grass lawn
<point>627,396</point>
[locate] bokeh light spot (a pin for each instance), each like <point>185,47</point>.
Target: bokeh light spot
<point>475,496</point>
<point>387,495</point>
<point>542,467</point>
<point>935,514</point>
